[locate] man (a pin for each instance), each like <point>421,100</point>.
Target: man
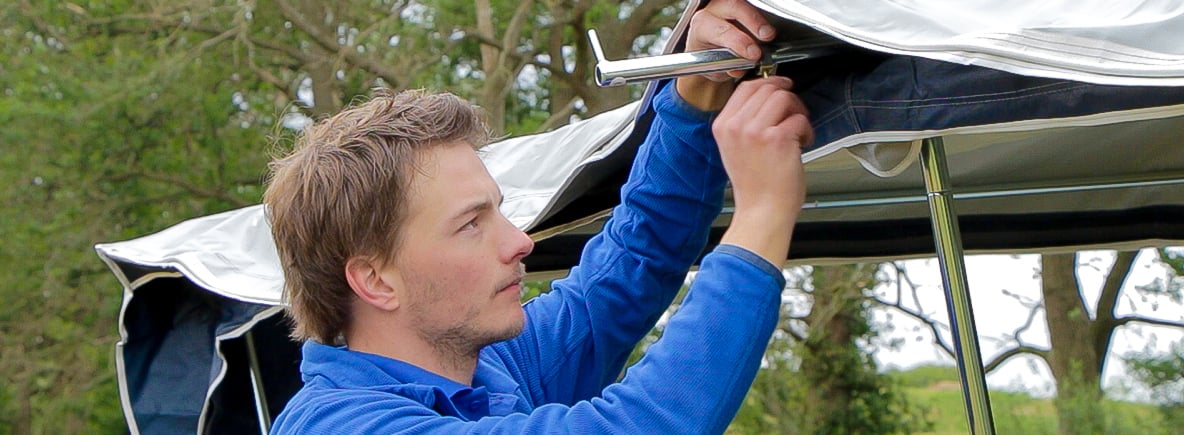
<point>403,277</point>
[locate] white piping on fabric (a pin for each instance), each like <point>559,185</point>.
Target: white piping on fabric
<point>1097,119</point>
<point>121,367</point>
<point>234,333</point>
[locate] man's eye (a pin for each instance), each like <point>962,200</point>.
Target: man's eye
<point>470,225</point>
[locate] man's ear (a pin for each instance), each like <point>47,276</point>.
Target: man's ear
<point>365,278</point>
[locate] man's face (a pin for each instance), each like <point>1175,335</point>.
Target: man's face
<point>460,258</point>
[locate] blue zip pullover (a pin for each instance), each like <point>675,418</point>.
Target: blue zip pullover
<point>558,375</point>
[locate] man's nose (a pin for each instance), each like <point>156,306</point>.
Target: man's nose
<point>520,244</point>
<point>527,244</point>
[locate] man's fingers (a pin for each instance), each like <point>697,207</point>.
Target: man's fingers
<point>740,96</point>
<point>749,87</point>
<point>721,32</point>
<point>745,15</point>
<point>752,102</point>
<point>789,117</point>
<point>764,111</point>
<point>756,105</point>
<point>796,105</point>
<point>732,24</point>
<point>798,125</point>
<point>771,107</point>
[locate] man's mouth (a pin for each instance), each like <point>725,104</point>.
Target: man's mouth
<point>514,286</point>
<point>515,282</point>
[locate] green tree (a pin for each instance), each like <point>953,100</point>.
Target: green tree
<point>1163,375</point>
<point>122,117</point>
<point>819,377</point>
<point>1081,331</point>
<point>1080,341</point>
<point>100,143</point>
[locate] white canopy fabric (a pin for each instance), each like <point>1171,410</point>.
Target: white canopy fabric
<point>234,256</point>
<point>1122,42</point>
<point>533,170</point>
<point>232,253</point>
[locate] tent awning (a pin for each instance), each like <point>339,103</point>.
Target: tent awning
<point>1062,123</point>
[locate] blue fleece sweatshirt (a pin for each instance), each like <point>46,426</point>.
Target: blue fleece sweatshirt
<point>558,375</point>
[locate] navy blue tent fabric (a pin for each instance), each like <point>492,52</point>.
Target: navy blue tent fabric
<point>170,359</point>
<point>169,354</point>
<point>862,91</point>
<point>232,407</point>
<point>848,95</point>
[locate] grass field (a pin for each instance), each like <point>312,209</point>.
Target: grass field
<point>937,389</point>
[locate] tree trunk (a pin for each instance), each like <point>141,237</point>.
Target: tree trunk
<point>617,41</point>
<point>325,90</point>
<point>830,333</point>
<point>563,92</point>
<point>497,78</point>
<point>1075,362</point>
<point>322,72</point>
<point>836,370</point>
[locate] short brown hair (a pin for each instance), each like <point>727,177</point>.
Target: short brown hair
<point>341,193</point>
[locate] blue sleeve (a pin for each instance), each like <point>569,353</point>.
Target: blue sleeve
<point>692,380</point>
<point>578,336</point>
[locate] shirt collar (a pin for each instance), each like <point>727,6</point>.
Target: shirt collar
<point>350,369</point>
<point>412,374</point>
<point>458,399</point>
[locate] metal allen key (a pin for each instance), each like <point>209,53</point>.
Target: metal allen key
<point>643,69</point>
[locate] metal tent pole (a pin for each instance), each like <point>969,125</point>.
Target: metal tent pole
<point>948,239</point>
<point>257,382</point>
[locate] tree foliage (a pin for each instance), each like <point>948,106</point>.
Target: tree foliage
<point>1080,341</point>
<point>1163,375</point>
<point>1081,329</point>
<point>123,117</point>
<point>819,377</point>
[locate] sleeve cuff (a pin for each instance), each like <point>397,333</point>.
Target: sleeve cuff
<point>756,260</point>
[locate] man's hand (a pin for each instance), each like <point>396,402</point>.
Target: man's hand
<point>727,24</point>
<point>761,132</point>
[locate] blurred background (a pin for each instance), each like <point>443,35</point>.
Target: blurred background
<point>119,118</point>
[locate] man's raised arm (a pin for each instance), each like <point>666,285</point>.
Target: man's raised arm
<point>628,274</point>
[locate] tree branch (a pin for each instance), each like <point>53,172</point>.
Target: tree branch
<point>1022,349</point>
<point>1033,310</point>
<point>39,24</point>
<point>1108,299</point>
<point>1149,321</point>
<point>121,25</point>
<point>555,66</point>
<point>560,115</point>
<point>183,184</point>
<point>643,15</point>
<point>363,34</point>
<point>328,42</point>
<point>514,29</point>
<point>1073,260</point>
<point>797,336</point>
<point>205,45</point>
<point>934,326</point>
